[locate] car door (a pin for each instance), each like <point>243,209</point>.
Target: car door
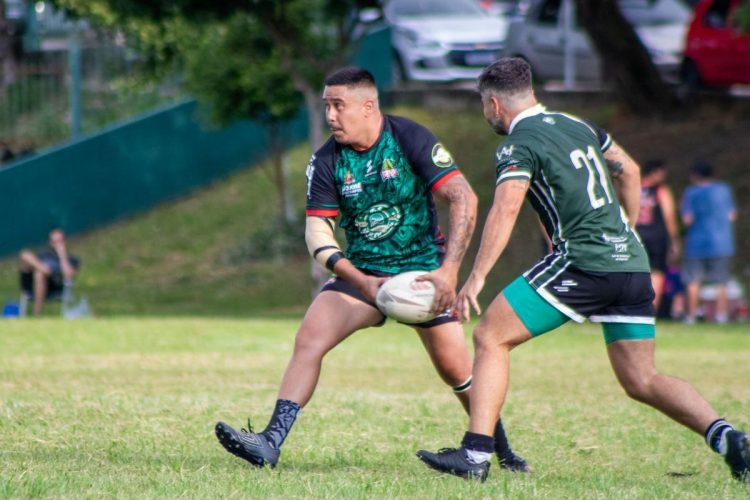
<point>725,52</point>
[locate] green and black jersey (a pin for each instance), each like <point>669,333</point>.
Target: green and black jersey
<point>571,190</point>
<point>384,196</point>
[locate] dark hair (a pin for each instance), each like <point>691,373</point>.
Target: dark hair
<point>351,76</point>
<point>702,169</point>
<point>652,165</point>
<point>509,74</point>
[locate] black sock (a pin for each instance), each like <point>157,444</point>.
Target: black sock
<point>477,442</point>
<point>282,420</point>
<point>502,447</point>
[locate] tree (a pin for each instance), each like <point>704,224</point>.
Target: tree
<point>255,59</point>
<point>636,80</point>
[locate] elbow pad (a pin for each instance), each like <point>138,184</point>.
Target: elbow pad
<point>321,243</point>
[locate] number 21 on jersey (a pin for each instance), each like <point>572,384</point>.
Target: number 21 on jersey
<point>593,165</point>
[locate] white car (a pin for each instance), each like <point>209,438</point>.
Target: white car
<point>538,37</point>
<point>442,40</point>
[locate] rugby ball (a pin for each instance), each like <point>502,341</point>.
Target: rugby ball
<point>406,300</point>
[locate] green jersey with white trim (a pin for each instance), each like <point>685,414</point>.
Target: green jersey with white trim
<point>571,190</point>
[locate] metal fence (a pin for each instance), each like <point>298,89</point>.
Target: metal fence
<point>54,95</point>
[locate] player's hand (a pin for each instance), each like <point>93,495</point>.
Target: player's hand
<point>445,288</point>
<point>370,286</point>
<point>467,298</point>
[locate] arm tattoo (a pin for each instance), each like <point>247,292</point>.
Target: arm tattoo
<point>462,217</point>
<point>615,168</point>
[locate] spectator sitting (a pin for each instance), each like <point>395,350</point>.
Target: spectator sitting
<point>47,273</point>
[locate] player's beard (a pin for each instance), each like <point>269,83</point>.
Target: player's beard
<point>497,125</point>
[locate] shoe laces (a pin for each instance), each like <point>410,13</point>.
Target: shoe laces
<point>249,429</point>
<point>445,451</point>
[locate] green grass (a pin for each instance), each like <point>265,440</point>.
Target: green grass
<point>125,408</point>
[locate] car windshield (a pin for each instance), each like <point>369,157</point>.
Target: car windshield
<point>421,8</point>
<point>655,12</point>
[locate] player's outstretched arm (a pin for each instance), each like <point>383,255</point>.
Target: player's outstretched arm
<point>626,175</point>
<point>462,209</point>
<point>509,196</point>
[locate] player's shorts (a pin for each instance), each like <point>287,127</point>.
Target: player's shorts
<point>340,285</point>
<point>706,270</point>
<point>622,302</point>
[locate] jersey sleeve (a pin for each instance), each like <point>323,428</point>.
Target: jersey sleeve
<point>514,161</point>
<point>322,196</point>
<point>426,155</point>
<point>605,140</point>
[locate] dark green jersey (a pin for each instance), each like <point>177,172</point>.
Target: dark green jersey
<point>384,196</point>
<point>571,190</point>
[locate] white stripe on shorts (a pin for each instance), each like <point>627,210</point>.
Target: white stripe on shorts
<point>641,320</point>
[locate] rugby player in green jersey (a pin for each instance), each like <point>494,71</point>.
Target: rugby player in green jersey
<point>378,174</point>
<point>585,189</point>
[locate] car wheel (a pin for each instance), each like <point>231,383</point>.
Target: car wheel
<point>690,79</point>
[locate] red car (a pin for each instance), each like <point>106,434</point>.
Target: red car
<point>717,52</point>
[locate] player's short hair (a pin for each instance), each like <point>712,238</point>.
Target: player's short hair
<point>702,169</point>
<point>351,76</point>
<point>508,75</point>
<point>653,165</point>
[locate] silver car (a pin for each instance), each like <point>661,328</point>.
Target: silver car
<point>538,37</point>
<point>442,40</point>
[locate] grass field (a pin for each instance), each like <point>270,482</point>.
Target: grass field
<point>125,408</point>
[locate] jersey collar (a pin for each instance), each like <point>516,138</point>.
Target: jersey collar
<point>532,111</point>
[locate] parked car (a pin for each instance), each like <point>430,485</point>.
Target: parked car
<point>717,53</point>
<point>442,40</point>
<point>538,37</point>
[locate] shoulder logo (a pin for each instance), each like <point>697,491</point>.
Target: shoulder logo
<point>549,120</point>
<point>441,157</point>
<point>310,171</point>
<point>505,151</point>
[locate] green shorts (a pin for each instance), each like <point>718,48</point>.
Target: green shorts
<point>539,316</point>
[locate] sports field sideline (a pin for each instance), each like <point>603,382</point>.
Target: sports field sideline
<point>126,408</point>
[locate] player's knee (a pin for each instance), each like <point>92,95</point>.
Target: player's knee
<point>306,343</point>
<point>637,387</point>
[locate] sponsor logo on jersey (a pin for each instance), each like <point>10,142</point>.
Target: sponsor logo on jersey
<point>389,170</point>
<point>370,169</point>
<point>505,151</point>
<point>441,157</point>
<point>379,221</point>
<point>351,186</point>
<point>549,120</point>
<point>309,172</point>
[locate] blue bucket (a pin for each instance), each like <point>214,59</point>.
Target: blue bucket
<point>11,310</point>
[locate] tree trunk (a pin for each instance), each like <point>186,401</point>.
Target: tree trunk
<point>626,61</point>
<point>286,211</point>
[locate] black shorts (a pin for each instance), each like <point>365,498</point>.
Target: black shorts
<point>54,283</point>
<point>340,285</point>
<point>600,296</point>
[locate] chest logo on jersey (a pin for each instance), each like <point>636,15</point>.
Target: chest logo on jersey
<point>389,170</point>
<point>441,157</point>
<point>351,186</point>
<point>379,221</point>
<point>370,169</point>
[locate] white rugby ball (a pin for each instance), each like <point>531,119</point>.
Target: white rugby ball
<point>406,300</point>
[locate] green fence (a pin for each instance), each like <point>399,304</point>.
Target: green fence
<point>122,171</point>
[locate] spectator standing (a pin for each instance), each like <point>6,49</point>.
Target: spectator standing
<point>657,224</point>
<point>708,211</point>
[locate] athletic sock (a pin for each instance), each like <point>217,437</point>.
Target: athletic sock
<point>282,420</point>
<point>716,435</point>
<point>502,447</point>
<point>478,447</point>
